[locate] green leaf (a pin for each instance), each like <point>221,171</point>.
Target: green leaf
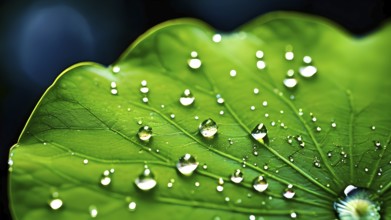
<point>81,146</point>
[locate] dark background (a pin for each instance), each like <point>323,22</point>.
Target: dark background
<point>39,39</point>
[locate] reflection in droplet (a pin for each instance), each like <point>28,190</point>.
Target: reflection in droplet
<point>260,184</point>
<point>145,133</point>
<point>237,176</point>
<point>55,203</point>
<point>146,180</point>
<point>259,133</point>
<point>308,71</point>
<point>208,128</point>
<point>187,164</point>
<point>289,193</point>
<point>187,98</point>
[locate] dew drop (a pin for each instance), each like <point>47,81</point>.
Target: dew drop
<point>187,164</point>
<point>293,215</point>
<point>105,179</point>
<point>172,116</point>
<point>261,64</point>
<point>260,184</point>
<point>237,176</point>
<point>232,73</point>
<point>333,124</point>
<point>144,90</point>
<point>114,91</point>
<point>194,62</point>
<point>208,128</point>
<point>259,133</point>
<point>219,99</point>
<point>197,184</point>
<point>216,38</point>
<point>259,54</point>
<point>55,203</point>
<point>220,185</point>
<point>145,99</point>
<point>144,83</point>
<point>307,59</point>
<point>329,154</point>
<point>251,217</point>
<point>256,91</point>
<point>132,206</point>
<point>93,211</point>
<point>116,69</point>
<point>264,103</point>
<point>289,193</point>
<point>318,129</point>
<point>221,112</point>
<point>252,108</point>
<point>146,180</point>
<point>373,128</point>
<point>307,71</point>
<point>187,98</point>
<point>289,55</point>
<point>145,133</point>
<point>290,83</point>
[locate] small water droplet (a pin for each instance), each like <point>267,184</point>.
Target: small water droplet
<point>93,211</point>
<point>187,98</point>
<point>307,59</point>
<point>172,116</point>
<point>237,176</point>
<point>308,71</point>
<point>144,90</point>
<point>366,170</point>
<point>145,133</point>
<point>145,99</point>
<point>219,99</point>
<point>216,38</point>
<point>146,180</point>
<point>204,166</point>
<point>187,164</point>
<point>265,167</point>
<point>85,161</point>
<point>252,108</point>
<point>105,179</point>
<point>220,185</point>
<point>259,54</point>
<point>373,128</point>
<point>260,184</point>
<point>194,62</point>
<point>256,91</point>
<point>333,124</point>
<point>208,128</point>
<point>259,133</point>
<point>114,91</point>
<point>290,83</point>
<point>293,215</point>
<point>289,193</point>
<point>291,159</point>
<point>318,129</point>
<point>232,73</point>
<point>261,64</point>
<point>144,83</point>
<point>116,69</point>
<point>251,217</point>
<point>289,55</point>
<point>132,206</point>
<point>55,203</point>
<point>329,154</point>
<point>264,103</point>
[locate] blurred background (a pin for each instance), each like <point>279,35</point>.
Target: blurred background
<point>39,39</point>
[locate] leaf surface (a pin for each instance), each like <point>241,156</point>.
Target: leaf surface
<point>330,131</point>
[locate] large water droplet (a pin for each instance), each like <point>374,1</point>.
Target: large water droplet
<point>145,133</point>
<point>357,204</point>
<point>187,164</point>
<point>208,128</point>
<point>308,71</point>
<point>146,180</point>
<point>259,133</point>
<point>260,184</point>
<point>237,176</point>
<point>289,193</point>
<point>187,98</point>
<point>55,203</point>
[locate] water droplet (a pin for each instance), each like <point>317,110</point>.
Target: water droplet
<point>145,99</point>
<point>187,98</point>
<point>289,55</point>
<point>105,179</point>
<point>307,59</point>
<point>219,99</point>
<point>308,71</point>
<point>357,204</point>
<point>373,128</point>
<point>289,193</point>
<point>208,128</point>
<point>256,91</point>
<point>260,184</point>
<point>261,64</point>
<point>291,159</point>
<point>265,167</point>
<point>237,176</point>
<point>114,91</point>
<point>144,90</point>
<point>144,83</point>
<point>194,62</point>
<point>366,169</point>
<point>146,180</point>
<point>132,206</point>
<point>259,133</point>
<point>204,166</point>
<point>197,184</point>
<point>264,103</point>
<point>290,82</point>
<point>232,73</point>
<point>293,215</point>
<point>220,185</point>
<point>252,108</point>
<point>145,133</point>
<point>251,217</point>
<point>216,38</point>
<point>172,116</point>
<point>116,69</point>
<point>55,203</point>
<point>318,129</point>
<point>329,154</point>
<point>93,211</point>
<point>187,164</point>
<point>259,54</point>
<point>333,124</point>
